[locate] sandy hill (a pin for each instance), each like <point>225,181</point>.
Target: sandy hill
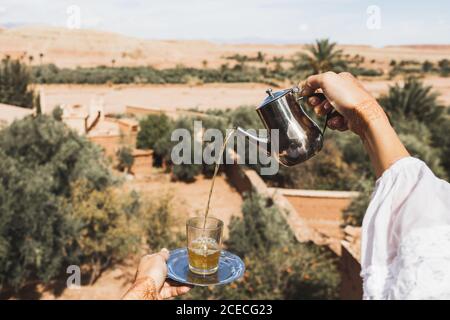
<point>72,48</point>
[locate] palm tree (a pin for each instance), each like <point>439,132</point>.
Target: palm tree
<point>413,100</point>
<point>260,56</point>
<point>320,57</point>
<point>41,57</point>
<point>15,81</point>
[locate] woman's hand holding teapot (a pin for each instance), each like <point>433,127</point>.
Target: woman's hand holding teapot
<point>356,106</point>
<point>358,111</point>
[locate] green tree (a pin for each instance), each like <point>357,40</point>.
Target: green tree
<point>260,57</point>
<point>320,57</point>
<point>40,160</point>
<point>125,159</point>
<point>187,171</point>
<point>154,133</point>
<point>15,81</point>
<point>33,229</point>
<point>427,66</point>
<point>444,66</point>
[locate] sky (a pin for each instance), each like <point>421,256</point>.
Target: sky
<point>377,22</point>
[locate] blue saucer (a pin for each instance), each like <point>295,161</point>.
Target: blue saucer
<point>231,268</point>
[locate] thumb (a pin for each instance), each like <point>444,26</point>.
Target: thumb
<point>164,253</point>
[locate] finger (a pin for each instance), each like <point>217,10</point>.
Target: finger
<point>173,283</point>
<point>343,126</point>
<point>327,106</point>
<point>311,84</point>
<point>314,101</point>
<point>336,122</point>
<point>315,82</point>
<point>170,292</point>
<point>164,253</point>
<point>323,108</point>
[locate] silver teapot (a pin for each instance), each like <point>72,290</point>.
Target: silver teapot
<point>300,137</point>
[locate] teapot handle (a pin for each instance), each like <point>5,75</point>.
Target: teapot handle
<point>331,113</point>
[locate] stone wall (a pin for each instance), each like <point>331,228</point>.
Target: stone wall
<point>322,210</point>
<point>143,162</point>
<point>111,143</point>
<point>245,180</point>
<point>172,113</point>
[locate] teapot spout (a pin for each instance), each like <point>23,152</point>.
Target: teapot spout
<point>262,143</point>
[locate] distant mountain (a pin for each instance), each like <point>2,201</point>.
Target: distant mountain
<point>10,25</point>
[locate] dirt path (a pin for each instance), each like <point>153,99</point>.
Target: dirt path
<point>189,199</point>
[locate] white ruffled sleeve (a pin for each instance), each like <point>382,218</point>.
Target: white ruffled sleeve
<point>405,249</point>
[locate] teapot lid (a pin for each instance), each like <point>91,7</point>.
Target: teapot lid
<point>272,96</point>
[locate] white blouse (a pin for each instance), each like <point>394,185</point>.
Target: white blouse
<point>405,242</point>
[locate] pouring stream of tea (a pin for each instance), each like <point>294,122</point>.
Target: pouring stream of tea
<point>216,169</point>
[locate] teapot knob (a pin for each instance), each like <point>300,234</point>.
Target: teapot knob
<point>269,92</point>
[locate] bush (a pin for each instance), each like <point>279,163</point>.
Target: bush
<point>326,170</point>
<point>245,117</point>
<point>413,99</point>
<point>125,159</point>
<point>417,139</point>
<point>444,67</point>
<point>106,231</point>
<point>122,75</point>
<point>419,118</point>
<point>427,66</point>
<point>158,222</point>
<point>441,143</point>
<point>186,172</point>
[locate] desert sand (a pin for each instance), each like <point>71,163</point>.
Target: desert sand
<point>72,48</point>
<point>201,97</point>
